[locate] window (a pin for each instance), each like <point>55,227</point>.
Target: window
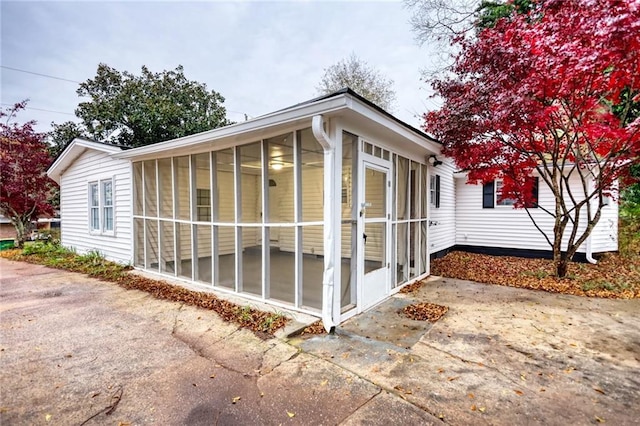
<point>101,214</point>
<point>502,201</point>
<point>492,194</point>
<point>94,207</point>
<point>203,203</point>
<point>434,190</point>
<point>107,205</point>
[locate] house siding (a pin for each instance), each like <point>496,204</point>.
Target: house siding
<point>604,236</point>
<point>442,220</point>
<point>506,227</point>
<point>93,165</point>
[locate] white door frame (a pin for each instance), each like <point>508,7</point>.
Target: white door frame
<point>383,290</point>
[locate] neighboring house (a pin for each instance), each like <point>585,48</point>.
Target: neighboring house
<point>7,230</point>
<point>326,207</point>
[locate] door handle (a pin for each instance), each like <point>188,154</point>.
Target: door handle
<point>365,238</point>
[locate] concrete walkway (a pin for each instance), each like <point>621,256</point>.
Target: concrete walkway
<point>73,347</point>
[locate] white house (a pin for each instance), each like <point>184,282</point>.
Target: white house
<point>326,207</point>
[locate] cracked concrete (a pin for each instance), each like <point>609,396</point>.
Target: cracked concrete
<point>500,356</point>
<point>70,344</point>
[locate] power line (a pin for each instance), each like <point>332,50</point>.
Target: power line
<point>41,109</point>
<point>39,74</point>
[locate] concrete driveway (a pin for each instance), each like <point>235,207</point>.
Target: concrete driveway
<point>77,350</point>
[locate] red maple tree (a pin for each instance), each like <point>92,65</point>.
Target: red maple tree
<point>548,94</point>
<point>25,188</point>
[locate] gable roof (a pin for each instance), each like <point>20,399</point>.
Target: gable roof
<point>75,149</point>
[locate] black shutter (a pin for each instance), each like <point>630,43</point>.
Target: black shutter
<point>437,191</point>
<point>488,195</point>
<point>534,194</point>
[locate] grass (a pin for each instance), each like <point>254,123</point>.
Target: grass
<point>93,263</point>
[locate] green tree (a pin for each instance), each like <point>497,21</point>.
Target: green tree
<point>62,135</point>
<point>363,79</point>
<point>134,111</point>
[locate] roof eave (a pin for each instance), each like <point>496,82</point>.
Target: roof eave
<point>76,148</point>
<point>281,117</point>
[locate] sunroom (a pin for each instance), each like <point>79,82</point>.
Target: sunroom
<point>321,208</point>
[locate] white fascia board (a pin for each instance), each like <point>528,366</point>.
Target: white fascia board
<point>366,111</point>
<point>278,118</point>
<point>75,149</point>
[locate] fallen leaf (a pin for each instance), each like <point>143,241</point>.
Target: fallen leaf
<point>451,379</point>
<point>261,394</point>
<point>440,370</point>
<point>473,407</point>
<point>290,414</point>
<point>523,377</point>
<point>520,393</point>
<point>47,417</point>
<point>482,409</point>
<point>471,396</point>
<point>213,376</point>
<point>235,399</point>
<point>600,419</point>
<point>599,390</point>
<point>324,382</point>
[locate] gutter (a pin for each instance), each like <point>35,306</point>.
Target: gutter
<point>328,283</point>
<point>589,252</point>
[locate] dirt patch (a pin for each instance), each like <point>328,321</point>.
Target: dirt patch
<point>424,311</point>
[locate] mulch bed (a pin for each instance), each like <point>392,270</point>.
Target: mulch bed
<point>614,276</point>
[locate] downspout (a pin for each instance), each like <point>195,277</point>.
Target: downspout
<point>317,127</point>
<point>589,253</point>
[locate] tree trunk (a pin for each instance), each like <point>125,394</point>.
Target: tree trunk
<point>562,267</point>
<point>23,229</point>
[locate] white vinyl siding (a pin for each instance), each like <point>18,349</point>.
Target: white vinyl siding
<point>505,227</point>
<point>95,166</point>
<point>604,236</point>
<point>442,220</point>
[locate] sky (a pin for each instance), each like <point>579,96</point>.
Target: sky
<point>261,56</point>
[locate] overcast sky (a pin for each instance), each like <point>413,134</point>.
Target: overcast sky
<point>261,56</point>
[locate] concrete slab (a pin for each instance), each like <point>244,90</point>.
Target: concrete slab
<point>503,356</point>
<point>74,349</point>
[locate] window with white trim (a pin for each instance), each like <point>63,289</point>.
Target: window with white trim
<point>434,190</point>
<point>101,204</point>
